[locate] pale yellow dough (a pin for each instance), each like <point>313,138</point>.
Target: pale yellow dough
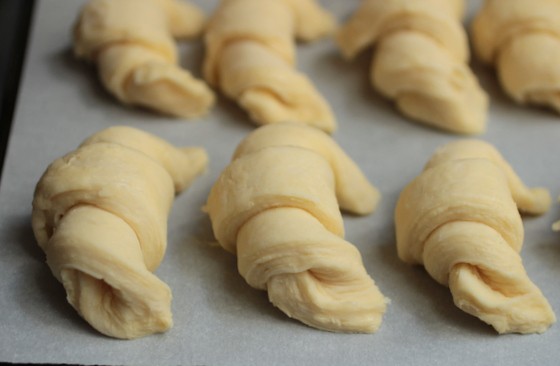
<point>420,60</point>
<point>250,56</point>
<point>131,41</point>
<point>521,38</point>
<point>276,207</point>
<point>460,220</point>
<point>100,216</point>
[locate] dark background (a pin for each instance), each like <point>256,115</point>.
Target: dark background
<point>15,17</point>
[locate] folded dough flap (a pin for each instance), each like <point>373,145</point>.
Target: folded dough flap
<point>270,178</point>
<point>528,200</point>
<point>117,64</point>
<point>428,84</point>
<point>500,21</point>
<point>374,19</point>
<point>486,277</point>
<point>268,23</point>
<point>97,257</point>
<point>354,192</point>
<point>310,273</point>
<point>137,75</point>
<point>270,89</point>
<point>104,23</point>
<point>528,69</point>
<point>117,179</point>
<point>465,190</point>
<point>182,164</point>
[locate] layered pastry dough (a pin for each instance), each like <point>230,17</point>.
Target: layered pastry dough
<point>131,41</point>
<point>100,215</point>
<point>521,38</point>
<point>276,207</point>
<point>420,60</point>
<point>460,219</point>
<point>250,56</point>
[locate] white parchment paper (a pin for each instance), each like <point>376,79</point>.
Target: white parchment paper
<point>219,319</point>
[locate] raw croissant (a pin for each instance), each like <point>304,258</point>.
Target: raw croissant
<point>251,54</point>
<point>275,206</point>
<point>420,60</point>
<point>460,219</point>
<point>131,41</point>
<point>521,38</point>
<point>100,215</point>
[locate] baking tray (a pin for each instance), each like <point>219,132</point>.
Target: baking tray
<point>219,319</point>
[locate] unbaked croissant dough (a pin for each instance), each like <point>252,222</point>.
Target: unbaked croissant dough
<point>250,56</point>
<point>521,38</point>
<point>131,41</point>
<point>100,215</point>
<point>420,60</point>
<point>460,219</point>
<point>275,206</point>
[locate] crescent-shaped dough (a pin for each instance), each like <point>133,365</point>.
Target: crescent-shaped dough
<point>250,55</point>
<point>275,206</point>
<point>131,41</point>
<point>521,38</point>
<point>460,220</point>
<point>420,60</point>
<point>100,216</point>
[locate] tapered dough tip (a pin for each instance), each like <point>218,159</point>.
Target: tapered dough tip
<point>198,156</point>
<point>196,164</point>
<point>347,53</point>
<point>187,20</point>
<point>363,202</point>
<point>541,202</point>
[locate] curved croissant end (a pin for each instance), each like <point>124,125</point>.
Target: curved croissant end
<point>434,89</point>
<point>420,61</point>
<point>126,300</point>
<point>487,278</point>
<point>353,190</point>
<point>521,39</point>
<point>275,207</point>
<point>534,201</point>
<point>132,43</point>
<point>324,285</point>
<point>251,59</point>
<point>459,219</point>
<point>99,214</point>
